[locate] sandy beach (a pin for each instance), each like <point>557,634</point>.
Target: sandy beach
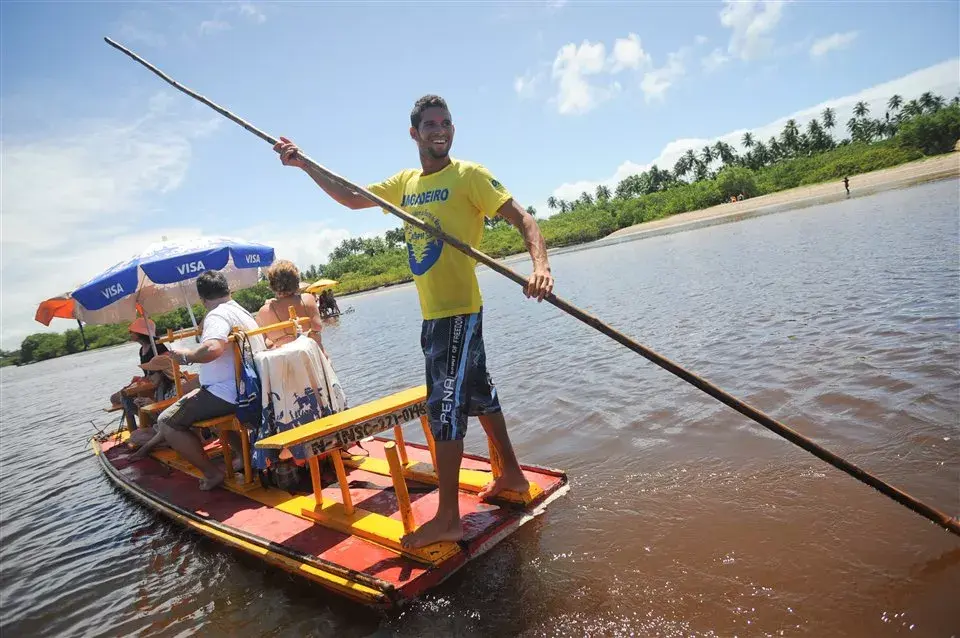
<point>925,170</point>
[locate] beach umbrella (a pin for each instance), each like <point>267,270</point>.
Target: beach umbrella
<point>63,307</point>
<point>160,278</point>
<point>319,286</point>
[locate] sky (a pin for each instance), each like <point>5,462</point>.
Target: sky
<point>100,157</point>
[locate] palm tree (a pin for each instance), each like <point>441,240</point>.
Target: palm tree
<point>532,211</point>
<point>861,109</point>
<point>791,136</point>
<point>955,101</point>
<point>700,171</point>
<point>927,101</point>
<point>564,206</point>
<point>894,103</point>
<point>725,152</point>
<point>603,193</point>
<point>829,118</point>
<point>585,198</point>
<point>853,126</point>
<point>691,158</point>
<point>912,109</point>
<point>776,150</point>
<point>818,138</point>
<point>707,155</point>
<point>552,203</point>
<point>760,154</point>
<point>938,103</point>
<point>747,140</point>
<point>682,167</point>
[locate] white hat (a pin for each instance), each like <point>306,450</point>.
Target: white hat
<point>144,327</point>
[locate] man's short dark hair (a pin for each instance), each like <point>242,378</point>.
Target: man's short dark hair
<point>211,284</point>
<point>424,103</point>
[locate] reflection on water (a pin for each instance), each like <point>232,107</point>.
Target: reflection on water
<point>684,518</point>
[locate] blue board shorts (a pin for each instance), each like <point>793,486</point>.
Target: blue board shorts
<point>458,385</point>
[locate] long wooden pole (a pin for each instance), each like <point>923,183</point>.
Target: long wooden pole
<point>949,523</point>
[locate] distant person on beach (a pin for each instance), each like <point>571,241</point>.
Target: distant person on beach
<point>846,184</point>
<point>455,196</point>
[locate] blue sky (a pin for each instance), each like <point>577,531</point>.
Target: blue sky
<point>101,158</point>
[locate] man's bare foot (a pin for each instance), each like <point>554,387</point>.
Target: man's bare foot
<point>505,483</point>
<point>433,531</point>
<point>208,483</point>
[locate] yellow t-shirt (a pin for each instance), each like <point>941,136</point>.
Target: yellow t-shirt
<point>454,199</point>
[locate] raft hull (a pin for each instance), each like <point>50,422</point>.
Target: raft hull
<point>262,522</point>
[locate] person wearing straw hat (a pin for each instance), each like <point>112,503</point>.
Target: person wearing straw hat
<point>455,196</point>
<point>139,331</point>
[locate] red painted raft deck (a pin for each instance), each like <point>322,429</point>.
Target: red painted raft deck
<point>395,578</point>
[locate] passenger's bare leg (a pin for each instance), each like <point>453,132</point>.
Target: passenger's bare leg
<point>189,447</point>
<point>445,526</point>
<point>512,477</point>
<point>146,448</point>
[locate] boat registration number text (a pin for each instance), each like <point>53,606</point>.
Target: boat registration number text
<point>351,434</point>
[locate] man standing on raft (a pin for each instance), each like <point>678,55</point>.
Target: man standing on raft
<point>454,196</point>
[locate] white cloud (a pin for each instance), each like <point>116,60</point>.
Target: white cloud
<point>716,59</point>
<point>943,78</point>
<point>209,27</point>
<point>571,67</point>
<point>628,53</point>
<point>99,200</point>
<point>831,43</point>
<point>134,34</point>
<point>752,23</point>
<point>304,243</point>
<point>701,39</point>
<point>656,82</point>
<point>526,85</point>
<point>252,12</point>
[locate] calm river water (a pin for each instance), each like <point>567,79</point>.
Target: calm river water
<point>684,518</point>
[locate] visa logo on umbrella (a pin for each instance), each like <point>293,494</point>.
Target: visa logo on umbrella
<point>190,267</point>
<point>253,259</point>
<point>112,291</point>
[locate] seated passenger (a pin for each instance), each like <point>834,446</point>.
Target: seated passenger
<point>284,281</point>
<point>140,331</point>
<point>217,395</point>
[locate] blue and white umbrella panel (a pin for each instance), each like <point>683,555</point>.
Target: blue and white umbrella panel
<point>161,278</point>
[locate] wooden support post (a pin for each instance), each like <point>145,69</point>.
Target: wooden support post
<point>247,457</point>
<point>428,433</point>
<point>342,480</point>
<point>398,435</point>
<point>399,486</point>
<point>315,478</point>
<point>227,452</point>
<point>496,465</point>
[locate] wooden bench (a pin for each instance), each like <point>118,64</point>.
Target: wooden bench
<point>327,436</point>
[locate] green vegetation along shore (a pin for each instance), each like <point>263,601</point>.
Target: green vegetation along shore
<point>908,130</point>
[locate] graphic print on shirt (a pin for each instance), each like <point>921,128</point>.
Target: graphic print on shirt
<point>423,249</point>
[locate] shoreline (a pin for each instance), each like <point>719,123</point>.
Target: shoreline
<point>861,185</point>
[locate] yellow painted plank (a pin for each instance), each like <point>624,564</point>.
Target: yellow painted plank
<point>470,480</point>
<point>380,529</point>
<point>335,423</point>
